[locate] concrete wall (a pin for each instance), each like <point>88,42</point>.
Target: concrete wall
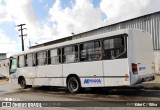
<point>157,61</point>
<point>2,56</point>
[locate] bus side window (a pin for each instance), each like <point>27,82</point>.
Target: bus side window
<point>41,58</point>
<point>120,47</point>
<point>114,48</point>
<point>21,61</point>
<point>55,56</point>
<point>90,51</point>
<point>83,52</point>
<point>29,60</point>
<point>97,50</point>
<point>75,53</point>
<point>107,46</point>
<point>70,54</point>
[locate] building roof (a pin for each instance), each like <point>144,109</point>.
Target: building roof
<point>2,53</point>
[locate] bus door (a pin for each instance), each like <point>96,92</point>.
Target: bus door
<point>13,71</point>
<point>115,61</point>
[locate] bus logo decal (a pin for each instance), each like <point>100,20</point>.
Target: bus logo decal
<point>92,81</point>
<point>142,68</point>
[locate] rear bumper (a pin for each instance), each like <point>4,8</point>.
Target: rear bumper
<point>146,78</point>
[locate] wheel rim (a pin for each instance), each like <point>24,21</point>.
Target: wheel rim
<point>73,85</point>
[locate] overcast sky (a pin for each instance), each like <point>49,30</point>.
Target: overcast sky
<point>47,20</point>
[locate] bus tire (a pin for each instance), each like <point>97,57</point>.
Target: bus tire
<point>73,84</point>
<point>23,83</point>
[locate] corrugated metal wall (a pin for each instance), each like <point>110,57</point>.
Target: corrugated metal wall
<point>149,23</point>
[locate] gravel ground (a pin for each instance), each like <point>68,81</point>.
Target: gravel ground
<point>149,91</point>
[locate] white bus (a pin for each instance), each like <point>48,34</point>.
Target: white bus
<point>119,58</point>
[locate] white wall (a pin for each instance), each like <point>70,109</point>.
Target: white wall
<point>4,67</point>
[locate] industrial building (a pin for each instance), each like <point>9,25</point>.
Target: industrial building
<point>3,56</point>
<point>149,23</point>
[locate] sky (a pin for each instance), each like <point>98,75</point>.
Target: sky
<point>48,20</point>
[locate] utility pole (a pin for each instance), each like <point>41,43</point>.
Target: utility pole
<point>22,35</point>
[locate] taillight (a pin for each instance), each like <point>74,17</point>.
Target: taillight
<point>134,68</point>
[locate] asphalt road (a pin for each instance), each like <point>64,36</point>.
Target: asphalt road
<point>97,97</point>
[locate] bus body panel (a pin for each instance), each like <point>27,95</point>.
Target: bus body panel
<point>30,81</point>
<point>41,81</point>
<point>90,73</point>
<point>22,72</point>
<point>28,72</point>
<point>116,72</point>
<point>143,52</point>
<point>140,52</point>
<point>50,73</point>
<point>13,79</point>
<point>57,82</point>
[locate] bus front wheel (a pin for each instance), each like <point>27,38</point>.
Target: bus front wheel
<point>23,83</point>
<point>73,84</point>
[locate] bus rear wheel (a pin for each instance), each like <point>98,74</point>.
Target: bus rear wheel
<point>73,85</point>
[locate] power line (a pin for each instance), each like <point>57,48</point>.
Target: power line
<point>11,43</point>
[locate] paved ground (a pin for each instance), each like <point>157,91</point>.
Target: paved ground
<point>149,91</point>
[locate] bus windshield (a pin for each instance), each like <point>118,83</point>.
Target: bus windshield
<point>13,66</point>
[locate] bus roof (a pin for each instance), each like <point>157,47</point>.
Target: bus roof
<point>62,44</point>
